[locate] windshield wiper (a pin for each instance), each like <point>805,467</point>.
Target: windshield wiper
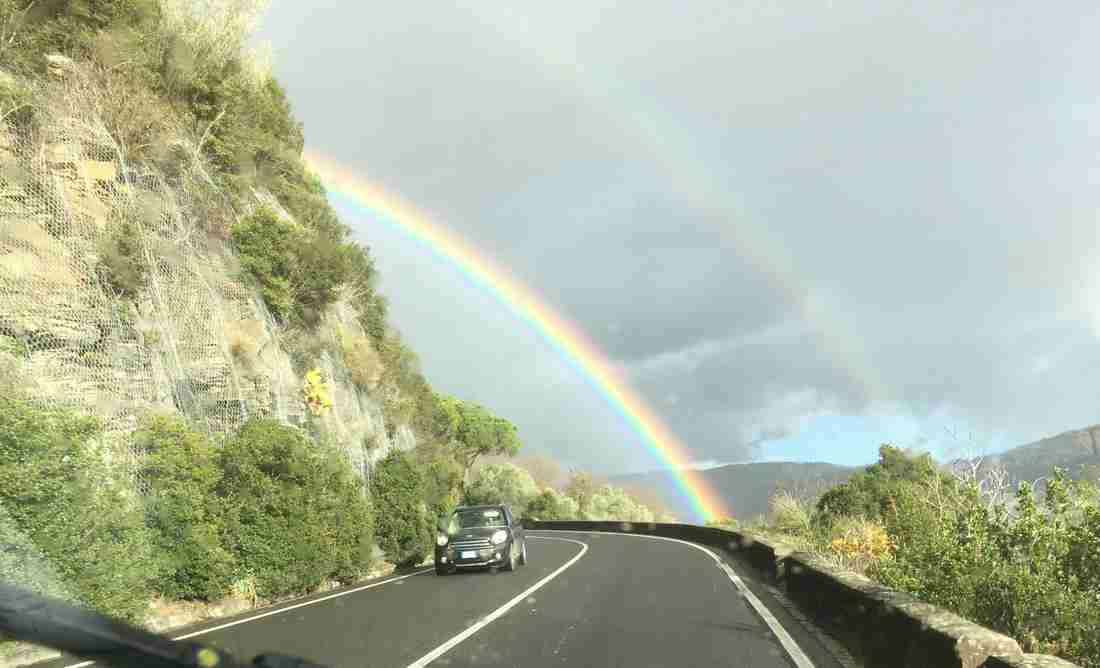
<point>42,620</point>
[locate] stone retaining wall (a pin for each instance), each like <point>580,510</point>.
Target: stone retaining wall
<point>879,626</point>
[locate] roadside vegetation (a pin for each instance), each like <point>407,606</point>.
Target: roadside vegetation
<point>581,498</point>
<point>167,511</point>
<point>963,539</point>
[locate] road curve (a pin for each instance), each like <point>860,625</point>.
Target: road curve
<point>584,599</point>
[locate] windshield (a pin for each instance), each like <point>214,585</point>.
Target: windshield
<point>298,296</point>
<point>477,519</point>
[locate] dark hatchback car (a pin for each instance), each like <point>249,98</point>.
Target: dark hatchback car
<point>479,536</point>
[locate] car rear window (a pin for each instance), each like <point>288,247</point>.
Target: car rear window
<point>485,517</point>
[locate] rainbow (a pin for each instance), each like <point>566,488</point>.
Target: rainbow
<point>685,173</point>
<point>561,334</point>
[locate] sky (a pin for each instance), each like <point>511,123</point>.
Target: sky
<point>799,229</point>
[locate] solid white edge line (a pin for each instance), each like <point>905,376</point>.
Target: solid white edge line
<point>488,619</point>
<point>279,611</point>
<point>793,650</point>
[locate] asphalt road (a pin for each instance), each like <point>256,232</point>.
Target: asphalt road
<point>583,599</point>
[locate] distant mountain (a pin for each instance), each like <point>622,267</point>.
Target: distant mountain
<point>746,488</point>
<point>1074,451</point>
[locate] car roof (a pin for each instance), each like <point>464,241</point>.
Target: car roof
<point>492,506</point>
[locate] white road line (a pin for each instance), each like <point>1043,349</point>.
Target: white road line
<point>793,650</point>
<point>279,611</point>
<point>495,614</point>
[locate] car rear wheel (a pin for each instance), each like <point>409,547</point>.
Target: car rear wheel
<point>523,554</point>
<point>440,569</point>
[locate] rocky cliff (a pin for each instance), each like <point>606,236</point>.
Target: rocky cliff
<point>196,338</point>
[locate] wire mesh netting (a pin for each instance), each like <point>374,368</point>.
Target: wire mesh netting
<point>195,339</point>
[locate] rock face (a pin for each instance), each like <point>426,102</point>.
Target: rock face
<point>197,338</point>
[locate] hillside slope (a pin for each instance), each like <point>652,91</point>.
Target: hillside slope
<point>745,488</point>
<point>1073,450</point>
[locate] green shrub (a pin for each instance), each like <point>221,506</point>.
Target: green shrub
<point>182,472</point>
<point>404,523</point>
<point>1029,573</point>
<point>122,266</point>
<point>789,514</point>
<point>295,514</point>
<point>61,502</point>
<point>868,493</point>
<point>266,243</point>
<point>613,503</point>
<point>442,478</point>
<point>581,488</point>
<point>372,317</point>
<point>502,483</point>
<point>550,504</point>
<point>299,270</point>
<point>361,359</point>
<point>344,507</point>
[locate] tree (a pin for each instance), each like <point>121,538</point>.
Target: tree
<point>870,492</point>
<point>613,503</point>
<point>550,504</point>
<point>477,432</point>
<point>502,483</point>
<point>581,488</point>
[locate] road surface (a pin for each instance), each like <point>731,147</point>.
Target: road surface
<point>584,599</point>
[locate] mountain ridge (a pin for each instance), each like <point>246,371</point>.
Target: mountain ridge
<point>745,487</point>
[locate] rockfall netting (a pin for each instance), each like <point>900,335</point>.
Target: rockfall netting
<point>195,338</point>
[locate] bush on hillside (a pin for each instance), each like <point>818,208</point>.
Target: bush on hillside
<point>344,505</point>
<point>405,527</point>
<point>68,515</point>
<point>266,243</point>
<point>295,514</point>
<point>502,483</point>
<point>442,479</point>
<point>550,504</point>
<point>868,493</point>
<point>361,359</point>
<point>581,488</point>
<point>122,266</point>
<point>1030,574</point>
<point>181,468</point>
<point>787,513</point>
<point>613,503</point>
<point>372,317</point>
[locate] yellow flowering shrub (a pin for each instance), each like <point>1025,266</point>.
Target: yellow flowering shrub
<point>316,394</point>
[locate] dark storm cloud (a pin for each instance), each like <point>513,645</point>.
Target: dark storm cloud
<point>927,174</point>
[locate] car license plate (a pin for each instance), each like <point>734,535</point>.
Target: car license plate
<point>469,555</point>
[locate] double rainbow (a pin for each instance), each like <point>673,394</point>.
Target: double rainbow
<point>561,334</point>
